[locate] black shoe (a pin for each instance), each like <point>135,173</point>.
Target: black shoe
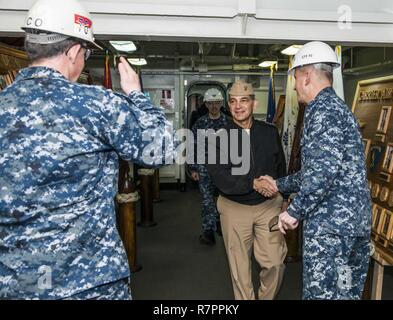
<point>207,238</point>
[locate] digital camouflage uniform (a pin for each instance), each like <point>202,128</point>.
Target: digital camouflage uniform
<point>209,212</point>
<point>333,200</point>
<point>118,290</point>
<point>59,147</point>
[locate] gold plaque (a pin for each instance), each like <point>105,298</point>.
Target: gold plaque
<point>384,195</point>
<point>375,190</point>
<point>390,201</point>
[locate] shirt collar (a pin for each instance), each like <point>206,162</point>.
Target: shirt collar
<point>321,95</point>
<point>239,127</point>
<point>38,72</point>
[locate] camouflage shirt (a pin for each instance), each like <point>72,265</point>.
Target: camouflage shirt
<point>333,196</point>
<point>205,123</point>
<point>59,147</point>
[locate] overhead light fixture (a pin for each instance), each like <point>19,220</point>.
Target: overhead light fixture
<point>268,63</point>
<point>292,50</point>
<point>137,61</point>
<point>124,46</point>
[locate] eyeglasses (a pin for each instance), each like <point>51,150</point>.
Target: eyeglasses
<point>273,224</point>
<point>87,51</point>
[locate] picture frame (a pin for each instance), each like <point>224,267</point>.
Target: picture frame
<point>375,190</point>
<point>385,176</point>
<point>384,117</point>
<point>384,194</point>
<point>387,163</point>
<point>366,144</point>
<point>377,152</point>
<point>386,224</point>
<point>390,200</point>
<point>377,215</point>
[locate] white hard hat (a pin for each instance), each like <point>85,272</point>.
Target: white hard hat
<point>315,52</point>
<point>213,94</point>
<point>50,21</point>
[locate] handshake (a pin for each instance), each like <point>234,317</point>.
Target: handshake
<point>266,186</point>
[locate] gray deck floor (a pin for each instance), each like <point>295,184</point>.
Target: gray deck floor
<point>176,267</point>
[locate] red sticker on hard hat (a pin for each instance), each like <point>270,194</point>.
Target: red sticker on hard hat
<point>83,21</point>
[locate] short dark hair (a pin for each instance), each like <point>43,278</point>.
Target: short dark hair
<point>36,51</point>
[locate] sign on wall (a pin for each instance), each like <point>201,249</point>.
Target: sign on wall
<point>372,106</point>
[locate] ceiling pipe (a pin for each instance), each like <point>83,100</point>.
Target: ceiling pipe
<point>367,69</point>
<point>213,73</point>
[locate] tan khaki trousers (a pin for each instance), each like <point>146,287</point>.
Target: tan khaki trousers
<point>246,227</point>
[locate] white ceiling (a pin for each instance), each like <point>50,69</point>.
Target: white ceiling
<point>257,21</point>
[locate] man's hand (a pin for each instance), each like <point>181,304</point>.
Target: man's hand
<point>266,186</point>
<point>194,176</point>
<point>129,80</point>
<point>286,222</point>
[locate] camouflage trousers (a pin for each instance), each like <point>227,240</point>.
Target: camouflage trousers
<point>209,209</point>
<point>334,267</point>
<point>118,290</point>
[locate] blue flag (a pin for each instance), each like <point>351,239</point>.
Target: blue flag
<point>271,104</point>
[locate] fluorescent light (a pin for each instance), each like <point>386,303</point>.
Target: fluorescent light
<point>292,50</point>
<point>137,61</point>
<point>125,46</point>
<point>267,63</point>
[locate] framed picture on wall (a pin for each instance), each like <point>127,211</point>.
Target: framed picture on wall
<point>376,156</point>
<point>387,164</point>
<point>376,218</point>
<point>384,194</point>
<point>386,224</point>
<point>384,117</point>
<point>375,190</point>
<point>390,200</point>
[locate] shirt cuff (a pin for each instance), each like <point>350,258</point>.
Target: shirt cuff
<point>279,184</point>
<point>136,93</point>
<point>293,212</point>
